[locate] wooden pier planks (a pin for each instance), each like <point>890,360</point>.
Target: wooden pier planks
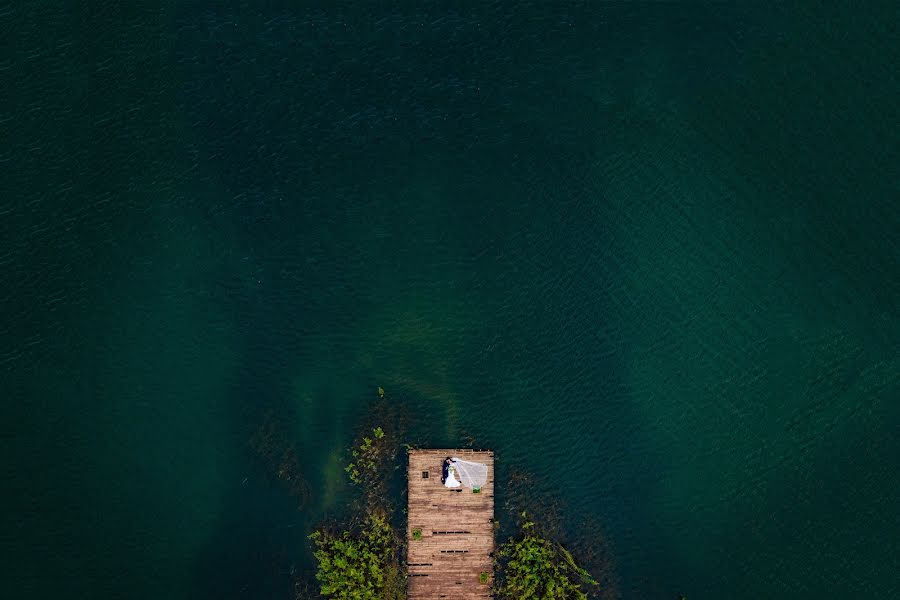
<point>457,530</point>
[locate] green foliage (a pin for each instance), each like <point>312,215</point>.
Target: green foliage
<point>367,458</point>
<point>361,566</point>
<point>536,568</point>
<point>417,534</point>
<point>484,577</point>
<point>363,563</point>
<point>394,583</point>
<point>581,571</point>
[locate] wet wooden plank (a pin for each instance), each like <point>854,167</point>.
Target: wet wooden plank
<point>457,529</point>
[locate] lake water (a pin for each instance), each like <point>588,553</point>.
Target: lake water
<point>646,253</point>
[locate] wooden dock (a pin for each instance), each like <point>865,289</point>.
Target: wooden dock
<point>457,530</point>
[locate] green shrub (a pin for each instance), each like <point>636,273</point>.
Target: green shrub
<point>363,562</point>
<point>484,577</point>
<point>532,567</point>
<point>358,567</point>
<point>370,458</point>
<point>417,534</point>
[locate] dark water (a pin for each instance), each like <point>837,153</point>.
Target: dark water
<point>648,253</point>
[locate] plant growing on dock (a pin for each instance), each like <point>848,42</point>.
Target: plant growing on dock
<point>417,534</point>
<point>532,567</point>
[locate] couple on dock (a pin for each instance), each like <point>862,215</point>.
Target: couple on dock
<point>448,473</point>
<point>456,473</point>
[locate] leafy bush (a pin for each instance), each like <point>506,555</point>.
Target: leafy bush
<point>372,459</point>
<point>365,460</point>
<point>362,566</point>
<point>532,567</point>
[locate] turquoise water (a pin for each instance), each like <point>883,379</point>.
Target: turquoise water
<point>646,253</point>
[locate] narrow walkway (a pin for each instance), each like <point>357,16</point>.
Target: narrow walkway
<point>457,530</point>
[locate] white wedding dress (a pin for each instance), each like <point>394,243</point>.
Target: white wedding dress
<point>451,481</point>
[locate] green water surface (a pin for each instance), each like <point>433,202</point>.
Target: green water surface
<point>647,253</point>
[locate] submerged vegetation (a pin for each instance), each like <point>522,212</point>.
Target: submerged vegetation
<point>272,446</point>
<point>362,562</point>
<point>533,567</point>
<point>542,513</point>
<point>367,456</point>
<point>363,559</point>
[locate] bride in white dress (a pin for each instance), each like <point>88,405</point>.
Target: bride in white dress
<point>451,481</point>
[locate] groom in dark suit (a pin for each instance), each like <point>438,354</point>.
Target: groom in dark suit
<point>445,470</point>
